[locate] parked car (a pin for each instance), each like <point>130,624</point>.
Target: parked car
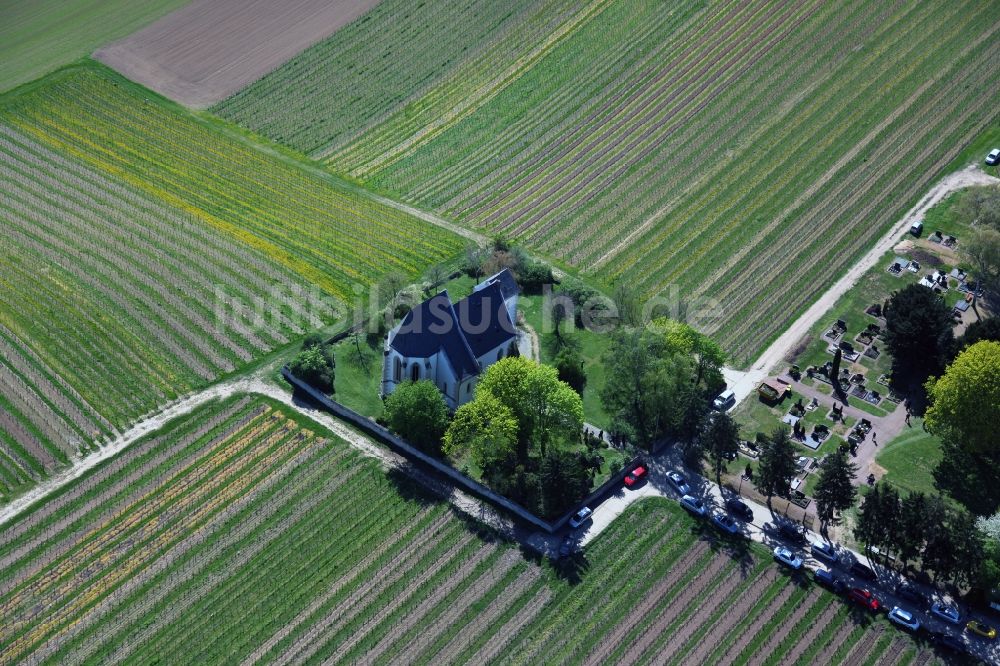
<point>679,483</point>
<point>791,533</point>
<point>980,628</point>
<point>864,598</point>
<point>785,556</point>
<point>566,547</point>
<point>580,517</point>
<point>826,578</point>
<point>949,614</point>
<point>824,551</point>
<point>725,400</point>
<point>863,571</point>
<point>739,509</point>
<point>694,505</point>
<point>911,594</point>
<point>949,642</point>
<point>636,475</point>
<point>726,523</point>
<point>904,618</point>
<point>993,157</point>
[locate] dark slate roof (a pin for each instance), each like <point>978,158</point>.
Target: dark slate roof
<point>431,326</point>
<point>508,285</point>
<point>484,319</point>
<point>464,331</point>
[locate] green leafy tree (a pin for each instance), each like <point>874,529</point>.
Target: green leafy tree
<point>314,366</point>
<point>650,389</point>
<point>835,490</point>
<point>547,410</point>
<point>708,355</point>
<point>918,335</point>
<point>777,465</point>
<point>569,366</point>
<point>486,429</point>
<point>722,442</point>
<point>964,411</point>
<point>417,412</point>
<point>965,400</point>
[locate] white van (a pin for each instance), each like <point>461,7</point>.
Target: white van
<point>724,401</point>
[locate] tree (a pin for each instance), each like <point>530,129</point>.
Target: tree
<point>878,518</point>
<point>683,339</point>
<point>315,365</point>
<point>913,527</point>
<point>545,408</point>
<point>722,442</point>
<point>835,371</point>
<point>918,335</point>
<point>569,365</point>
<point>869,527</point>
<point>485,429</point>
<point>417,412</point>
<point>965,401</point>
<point>777,465</point>
<point>436,274</point>
<point>835,489</point>
<point>650,389</point>
<point>983,329</point>
<point>565,477</point>
<point>982,247</point>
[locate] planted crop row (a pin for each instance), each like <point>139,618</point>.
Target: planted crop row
<point>743,152</point>
<point>149,253</point>
<point>254,540</point>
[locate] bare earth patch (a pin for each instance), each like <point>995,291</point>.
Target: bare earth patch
<point>209,49</point>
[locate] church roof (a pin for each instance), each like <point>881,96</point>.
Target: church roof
<point>463,331</point>
<point>484,320</point>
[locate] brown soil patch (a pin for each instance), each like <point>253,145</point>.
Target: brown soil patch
<point>209,49</point>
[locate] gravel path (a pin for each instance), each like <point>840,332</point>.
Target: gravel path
<point>774,355</point>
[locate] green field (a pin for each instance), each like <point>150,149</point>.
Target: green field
<point>244,534</point>
<point>910,459</point>
<point>745,153</point>
<point>147,252</point>
<point>42,35</point>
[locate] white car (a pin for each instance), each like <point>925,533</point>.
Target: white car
<point>824,551</point>
<point>580,517</point>
<point>788,558</point>
<point>904,618</point>
<point>726,523</point>
<point>993,157</point>
<point>947,613</point>
<point>679,483</point>
<point>694,505</point>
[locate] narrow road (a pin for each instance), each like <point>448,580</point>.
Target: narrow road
<point>743,383</point>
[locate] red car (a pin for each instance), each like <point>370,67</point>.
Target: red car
<point>636,475</point>
<point>864,598</point>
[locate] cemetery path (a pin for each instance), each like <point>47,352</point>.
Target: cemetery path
<point>744,383</point>
<point>884,428</point>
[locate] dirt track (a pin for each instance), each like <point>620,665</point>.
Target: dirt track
<point>209,49</point>
<point>744,383</point>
